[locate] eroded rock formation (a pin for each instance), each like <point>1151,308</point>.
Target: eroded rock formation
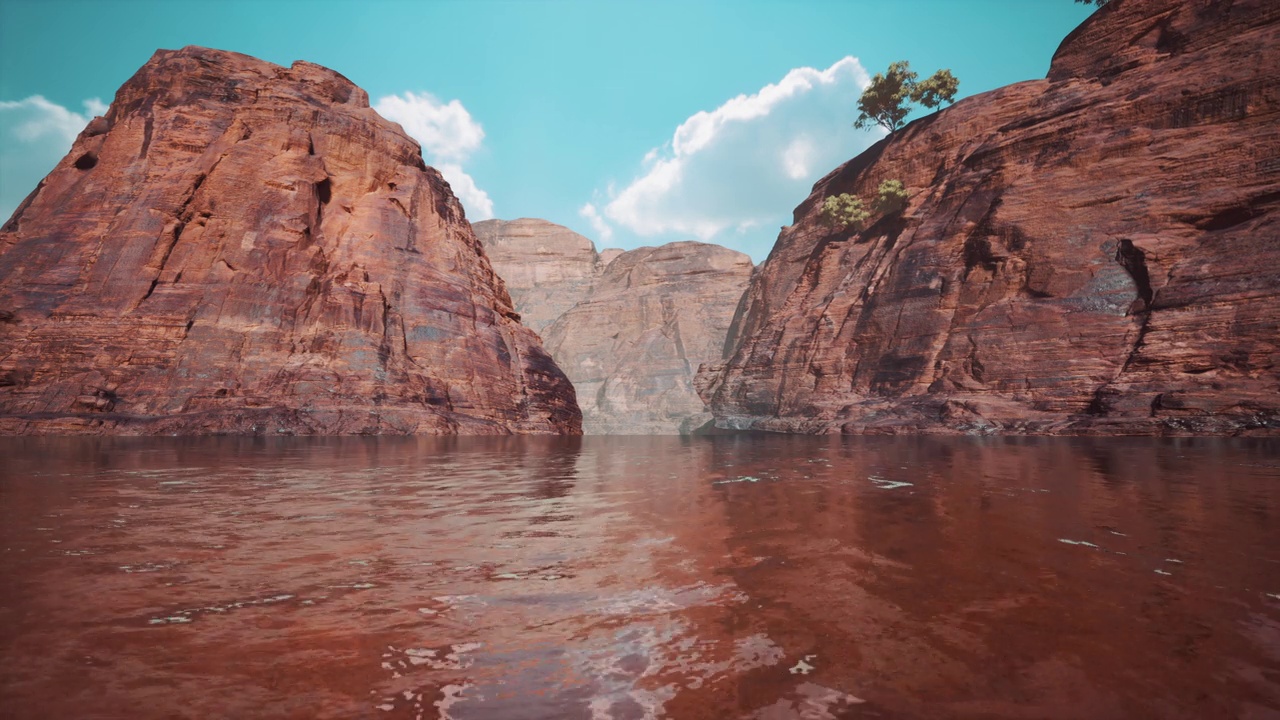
<point>1096,252</point>
<point>246,248</point>
<point>547,268</point>
<point>629,328</point>
<point>633,346</point>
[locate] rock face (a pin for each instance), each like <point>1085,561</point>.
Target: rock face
<point>633,346</point>
<point>245,248</point>
<point>1097,252</point>
<point>629,328</point>
<point>548,268</point>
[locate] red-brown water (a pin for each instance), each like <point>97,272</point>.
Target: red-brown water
<point>728,577</point>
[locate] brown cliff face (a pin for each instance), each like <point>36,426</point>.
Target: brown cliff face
<point>547,268</point>
<point>246,248</point>
<point>1098,252</point>
<point>634,344</point>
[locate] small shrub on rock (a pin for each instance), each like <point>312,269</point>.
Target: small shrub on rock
<point>891,197</point>
<point>844,211</point>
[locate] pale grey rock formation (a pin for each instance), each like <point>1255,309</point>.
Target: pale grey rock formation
<point>629,328</point>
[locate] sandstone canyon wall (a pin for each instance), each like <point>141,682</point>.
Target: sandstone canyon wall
<point>241,247</point>
<point>634,345</point>
<point>1096,252</point>
<point>629,328</point>
<point>547,268</point>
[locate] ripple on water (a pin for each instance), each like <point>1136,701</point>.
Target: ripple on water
<point>189,614</point>
<point>809,701</point>
<point>624,578</point>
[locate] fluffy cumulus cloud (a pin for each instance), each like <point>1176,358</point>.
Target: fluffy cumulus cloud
<point>34,135</point>
<point>603,232</point>
<point>741,168</point>
<point>449,136</point>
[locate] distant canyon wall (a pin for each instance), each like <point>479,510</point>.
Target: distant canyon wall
<point>547,268</point>
<point>240,247</point>
<point>1097,252</point>
<point>629,328</point>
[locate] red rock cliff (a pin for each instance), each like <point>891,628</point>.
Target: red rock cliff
<point>246,248</point>
<point>1097,252</point>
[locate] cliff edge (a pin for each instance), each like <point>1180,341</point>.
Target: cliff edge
<point>240,247</point>
<point>1097,252</point>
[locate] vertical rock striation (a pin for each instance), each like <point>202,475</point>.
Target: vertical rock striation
<point>547,268</point>
<point>629,328</point>
<point>1096,252</point>
<point>241,247</point>
<point>634,345</point>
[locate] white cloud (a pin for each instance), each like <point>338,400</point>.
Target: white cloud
<point>446,130</point>
<point>476,201</point>
<point>747,163</point>
<point>34,135</point>
<point>797,159</point>
<point>448,135</point>
<point>95,107</point>
<point>36,119</point>
<point>604,232</point>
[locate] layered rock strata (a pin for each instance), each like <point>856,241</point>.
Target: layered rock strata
<point>629,328</point>
<point>1096,252</point>
<point>547,268</point>
<point>633,346</point>
<point>239,247</point>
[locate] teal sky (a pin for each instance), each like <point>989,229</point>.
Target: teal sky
<point>570,95</point>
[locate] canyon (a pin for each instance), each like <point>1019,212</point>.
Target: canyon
<point>240,247</point>
<point>1097,252</point>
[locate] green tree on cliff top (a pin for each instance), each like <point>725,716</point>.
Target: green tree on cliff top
<point>886,100</point>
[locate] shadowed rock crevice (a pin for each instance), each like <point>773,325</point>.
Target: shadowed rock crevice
<point>1134,261</point>
<point>1240,214</point>
<point>148,127</point>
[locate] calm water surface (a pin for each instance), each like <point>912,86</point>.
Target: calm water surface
<point>735,577</point>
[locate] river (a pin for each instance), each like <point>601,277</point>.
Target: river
<point>760,577</point>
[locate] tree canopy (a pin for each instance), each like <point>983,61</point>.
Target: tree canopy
<point>939,88</point>
<point>886,100</point>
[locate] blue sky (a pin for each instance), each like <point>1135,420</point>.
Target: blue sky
<point>634,123</point>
